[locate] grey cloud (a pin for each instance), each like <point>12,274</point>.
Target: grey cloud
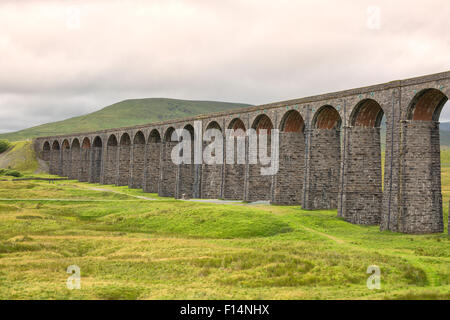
<point>238,50</point>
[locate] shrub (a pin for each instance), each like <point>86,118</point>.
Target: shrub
<point>11,173</point>
<point>4,145</point>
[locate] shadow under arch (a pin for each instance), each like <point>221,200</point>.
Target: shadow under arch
<point>153,163</point>
<point>235,167</point>
<point>76,156</point>
<point>96,160</point>
<point>189,173</point>
<point>168,178</point>
<point>211,176</point>
<point>85,160</point>
<point>322,185</point>
<point>138,161</point>
<point>421,191</point>
<point>361,195</point>
<point>111,160</point>
<point>124,156</point>
<point>259,186</point>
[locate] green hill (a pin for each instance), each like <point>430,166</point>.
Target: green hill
<point>125,113</point>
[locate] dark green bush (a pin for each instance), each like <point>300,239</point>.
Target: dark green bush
<point>11,173</point>
<point>4,145</point>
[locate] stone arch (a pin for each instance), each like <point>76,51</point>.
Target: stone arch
<point>96,162</point>
<point>112,141</point>
<point>55,158</point>
<point>361,195</point>
<point>154,136</point>
<point>168,134</point>
<point>235,170</point>
<point>188,183</point>
<point>292,121</point>
<point>327,117</point>
<point>55,145</point>
<point>86,143</point>
<point>85,160</point>
<point>153,162</point>
<point>138,161</point>
<point>262,122</point>
<point>111,160</point>
<point>168,168</point>
<point>46,146</point>
<point>421,177</point>
<point>66,158</point>
<point>367,113</point>
<point>76,156</point>
<point>426,105</point>
<point>214,125</point>
<point>290,176</point>
<point>211,177</point>
<point>259,186</point>
<point>324,160</point>
<point>125,140</point>
<point>46,152</point>
<point>124,160</point>
<point>139,138</point>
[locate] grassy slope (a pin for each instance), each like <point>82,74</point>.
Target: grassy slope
<point>129,248</point>
<point>125,113</point>
<point>20,156</point>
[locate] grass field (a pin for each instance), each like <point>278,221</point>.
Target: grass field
<point>158,248</point>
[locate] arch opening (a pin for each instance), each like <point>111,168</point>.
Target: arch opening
<point>427,105</point>
<point>46,146</point>
<point>112,141</point>
<point>168,134</point>
<point>367,113</point>
<point>153,162</point>
<point>139,138</point>
<point>75,172</point>
<point>86,143</point>
<point>289,186</point>
<point>327,117</point>
<point>262,122</point>
<point>125,140</point>
<point>168,168</point>
<point>154,137</point>
<point>111,161</point>
<point>292,122</point>
<point>55,145</point>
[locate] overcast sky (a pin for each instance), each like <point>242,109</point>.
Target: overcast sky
<point>60,59</point>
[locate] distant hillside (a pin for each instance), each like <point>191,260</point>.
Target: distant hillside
<point>125,113</point>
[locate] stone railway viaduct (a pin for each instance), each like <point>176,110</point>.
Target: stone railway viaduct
<point>330,155</point>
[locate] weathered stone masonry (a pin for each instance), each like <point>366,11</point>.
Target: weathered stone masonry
<point>330,155</point>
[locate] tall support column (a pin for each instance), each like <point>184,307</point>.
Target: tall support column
<point>361,195</point>
<point>323,170</point>
<point>420,193</point>
<point>390,203</point>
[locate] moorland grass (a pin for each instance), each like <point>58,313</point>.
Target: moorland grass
<point>161,248</point>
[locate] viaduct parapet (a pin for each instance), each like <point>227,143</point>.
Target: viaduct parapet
<point>330,155</point>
